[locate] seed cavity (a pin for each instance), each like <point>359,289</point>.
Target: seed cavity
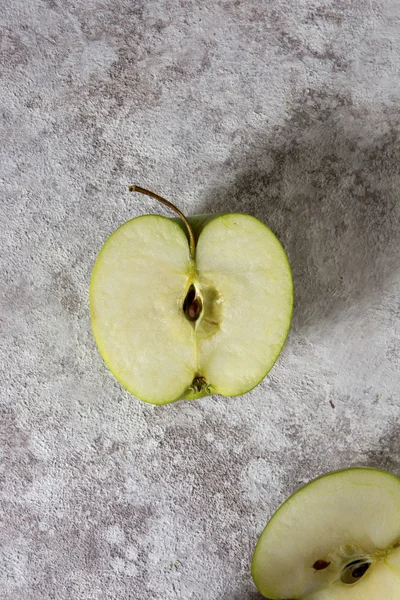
<point>354,571</point>
<point>192,304</point>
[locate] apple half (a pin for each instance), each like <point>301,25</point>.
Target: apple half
<point>337,538</point>
<point>183,308</point>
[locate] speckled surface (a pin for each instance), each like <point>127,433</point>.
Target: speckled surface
<point>288,110</point>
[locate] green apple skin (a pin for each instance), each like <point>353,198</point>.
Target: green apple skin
<point>197,223</point>
<point>336,593</point>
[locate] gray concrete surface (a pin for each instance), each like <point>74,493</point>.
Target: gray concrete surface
<point>288,110</point>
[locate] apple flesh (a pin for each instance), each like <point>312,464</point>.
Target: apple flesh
<point>174,324</point>
<point>337,538</point>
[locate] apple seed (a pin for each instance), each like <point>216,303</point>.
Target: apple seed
<point>321,564</point>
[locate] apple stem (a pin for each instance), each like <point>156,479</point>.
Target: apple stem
<point>192,242</point>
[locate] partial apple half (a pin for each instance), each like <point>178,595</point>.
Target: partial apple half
<point>337,538</point>
<point>173,321</point>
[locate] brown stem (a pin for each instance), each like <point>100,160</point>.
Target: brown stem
<point>192,243</point>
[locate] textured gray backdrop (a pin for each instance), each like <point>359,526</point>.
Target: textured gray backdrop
<point>286,109</point>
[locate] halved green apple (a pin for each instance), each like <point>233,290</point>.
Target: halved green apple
<point>183,308</point>
<point>337,538</point>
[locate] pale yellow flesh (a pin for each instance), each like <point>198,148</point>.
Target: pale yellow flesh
<point>248,268</point>
<point>138,286</point>
<point>137,290</point>
<point>338,518</point>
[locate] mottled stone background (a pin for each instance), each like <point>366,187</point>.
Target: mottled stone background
<point>286,109</point>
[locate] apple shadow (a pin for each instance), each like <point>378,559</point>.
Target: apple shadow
<point>326,182</point>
